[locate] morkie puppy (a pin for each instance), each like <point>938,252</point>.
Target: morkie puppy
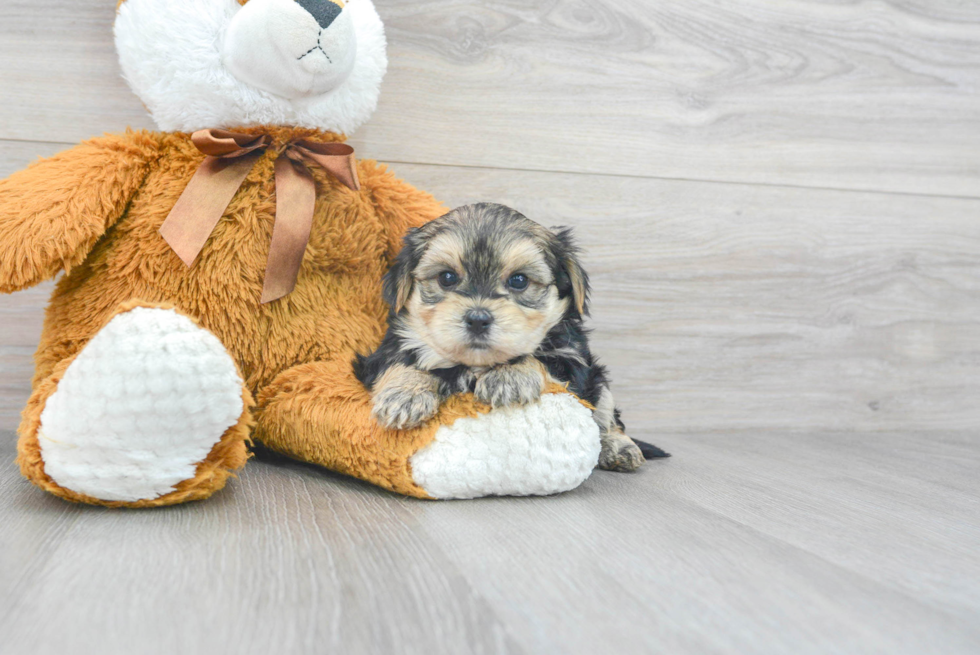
<point>484,300</point>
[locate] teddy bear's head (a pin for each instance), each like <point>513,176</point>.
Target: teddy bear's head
<point>200,64</point>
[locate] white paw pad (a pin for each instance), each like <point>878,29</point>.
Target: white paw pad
<point>142,404</point>
<point>544,448</point>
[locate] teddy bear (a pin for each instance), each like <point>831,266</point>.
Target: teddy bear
<point>221,273</point>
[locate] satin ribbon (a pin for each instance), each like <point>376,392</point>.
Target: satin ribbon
<point>230,157</point>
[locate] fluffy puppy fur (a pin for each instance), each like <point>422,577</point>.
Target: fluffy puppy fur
<point>484,300</point>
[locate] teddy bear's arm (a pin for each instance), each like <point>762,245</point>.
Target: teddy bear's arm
<point>53,212</point>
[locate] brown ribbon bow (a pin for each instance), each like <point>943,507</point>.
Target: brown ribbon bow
<point>230,156</point>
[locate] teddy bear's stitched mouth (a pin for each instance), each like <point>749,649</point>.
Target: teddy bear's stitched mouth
<point>316,47</point>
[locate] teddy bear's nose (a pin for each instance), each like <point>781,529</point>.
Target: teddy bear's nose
<point>324,11</point>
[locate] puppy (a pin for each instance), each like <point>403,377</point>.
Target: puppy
<point>484,300</point>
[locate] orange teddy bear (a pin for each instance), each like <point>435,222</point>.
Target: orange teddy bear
<point>218,284</point>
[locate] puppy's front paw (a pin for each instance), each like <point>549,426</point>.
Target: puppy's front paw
<point>401,408</point>
<point>619,453</point>
<point>510,385</point>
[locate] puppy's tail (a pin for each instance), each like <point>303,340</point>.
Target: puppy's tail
<point>649,450</point>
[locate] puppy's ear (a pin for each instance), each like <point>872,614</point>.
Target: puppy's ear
<point>570,277</point>
<point>399,279</point>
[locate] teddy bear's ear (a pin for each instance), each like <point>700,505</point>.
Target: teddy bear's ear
<point>400,278</point>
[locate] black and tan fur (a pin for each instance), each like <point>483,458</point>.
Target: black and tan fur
<point>482,334</point>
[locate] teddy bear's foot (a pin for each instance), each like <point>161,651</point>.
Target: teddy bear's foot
<point>542,448</point>
<point>320,413</point>
<point>151,411</point>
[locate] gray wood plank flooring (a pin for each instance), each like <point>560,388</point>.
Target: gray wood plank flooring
<point>770,530</point>
<point>752,542</point>
<point>730,306</point>
<point>880,95</point>
<point>779,202</point>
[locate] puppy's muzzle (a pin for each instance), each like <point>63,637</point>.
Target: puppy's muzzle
<point>478,321</point>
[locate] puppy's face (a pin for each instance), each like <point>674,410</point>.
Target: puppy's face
<point>483,285</point>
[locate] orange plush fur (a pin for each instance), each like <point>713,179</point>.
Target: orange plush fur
<point>98,208</point>
<point>95,211</point>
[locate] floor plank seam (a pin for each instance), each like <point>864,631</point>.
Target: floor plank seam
<point>664,178</point>
<point>883,192</point>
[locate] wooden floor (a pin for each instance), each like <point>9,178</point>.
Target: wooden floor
<point>780,203</point>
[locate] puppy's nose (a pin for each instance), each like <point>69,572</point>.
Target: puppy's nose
<point>478,321</point>
<point>324,11</point>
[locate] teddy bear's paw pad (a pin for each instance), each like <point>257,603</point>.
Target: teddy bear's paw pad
<point>140,407</point>
<point>539,449</point>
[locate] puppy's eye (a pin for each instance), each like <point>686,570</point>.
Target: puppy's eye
<point>517,282</point>
<point>448,279</point>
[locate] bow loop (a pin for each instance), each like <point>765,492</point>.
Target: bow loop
<point>338,158</point>
<point>222,143</point>
<point>230,157</point>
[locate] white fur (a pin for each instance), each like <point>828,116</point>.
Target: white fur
<point>151,394</point>
<point>171,54</point>
<point>541,449</point>
<point>277,45</point>
<point>139,408</point>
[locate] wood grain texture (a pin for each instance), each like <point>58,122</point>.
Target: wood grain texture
<point>855,95</point>
<point>15,155</point>
<point>731,307</point>
<point>21,317</point>
<point>758,544</point>
<point>810,356</point>
<point>746,328</point>
<point>726,307</point>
